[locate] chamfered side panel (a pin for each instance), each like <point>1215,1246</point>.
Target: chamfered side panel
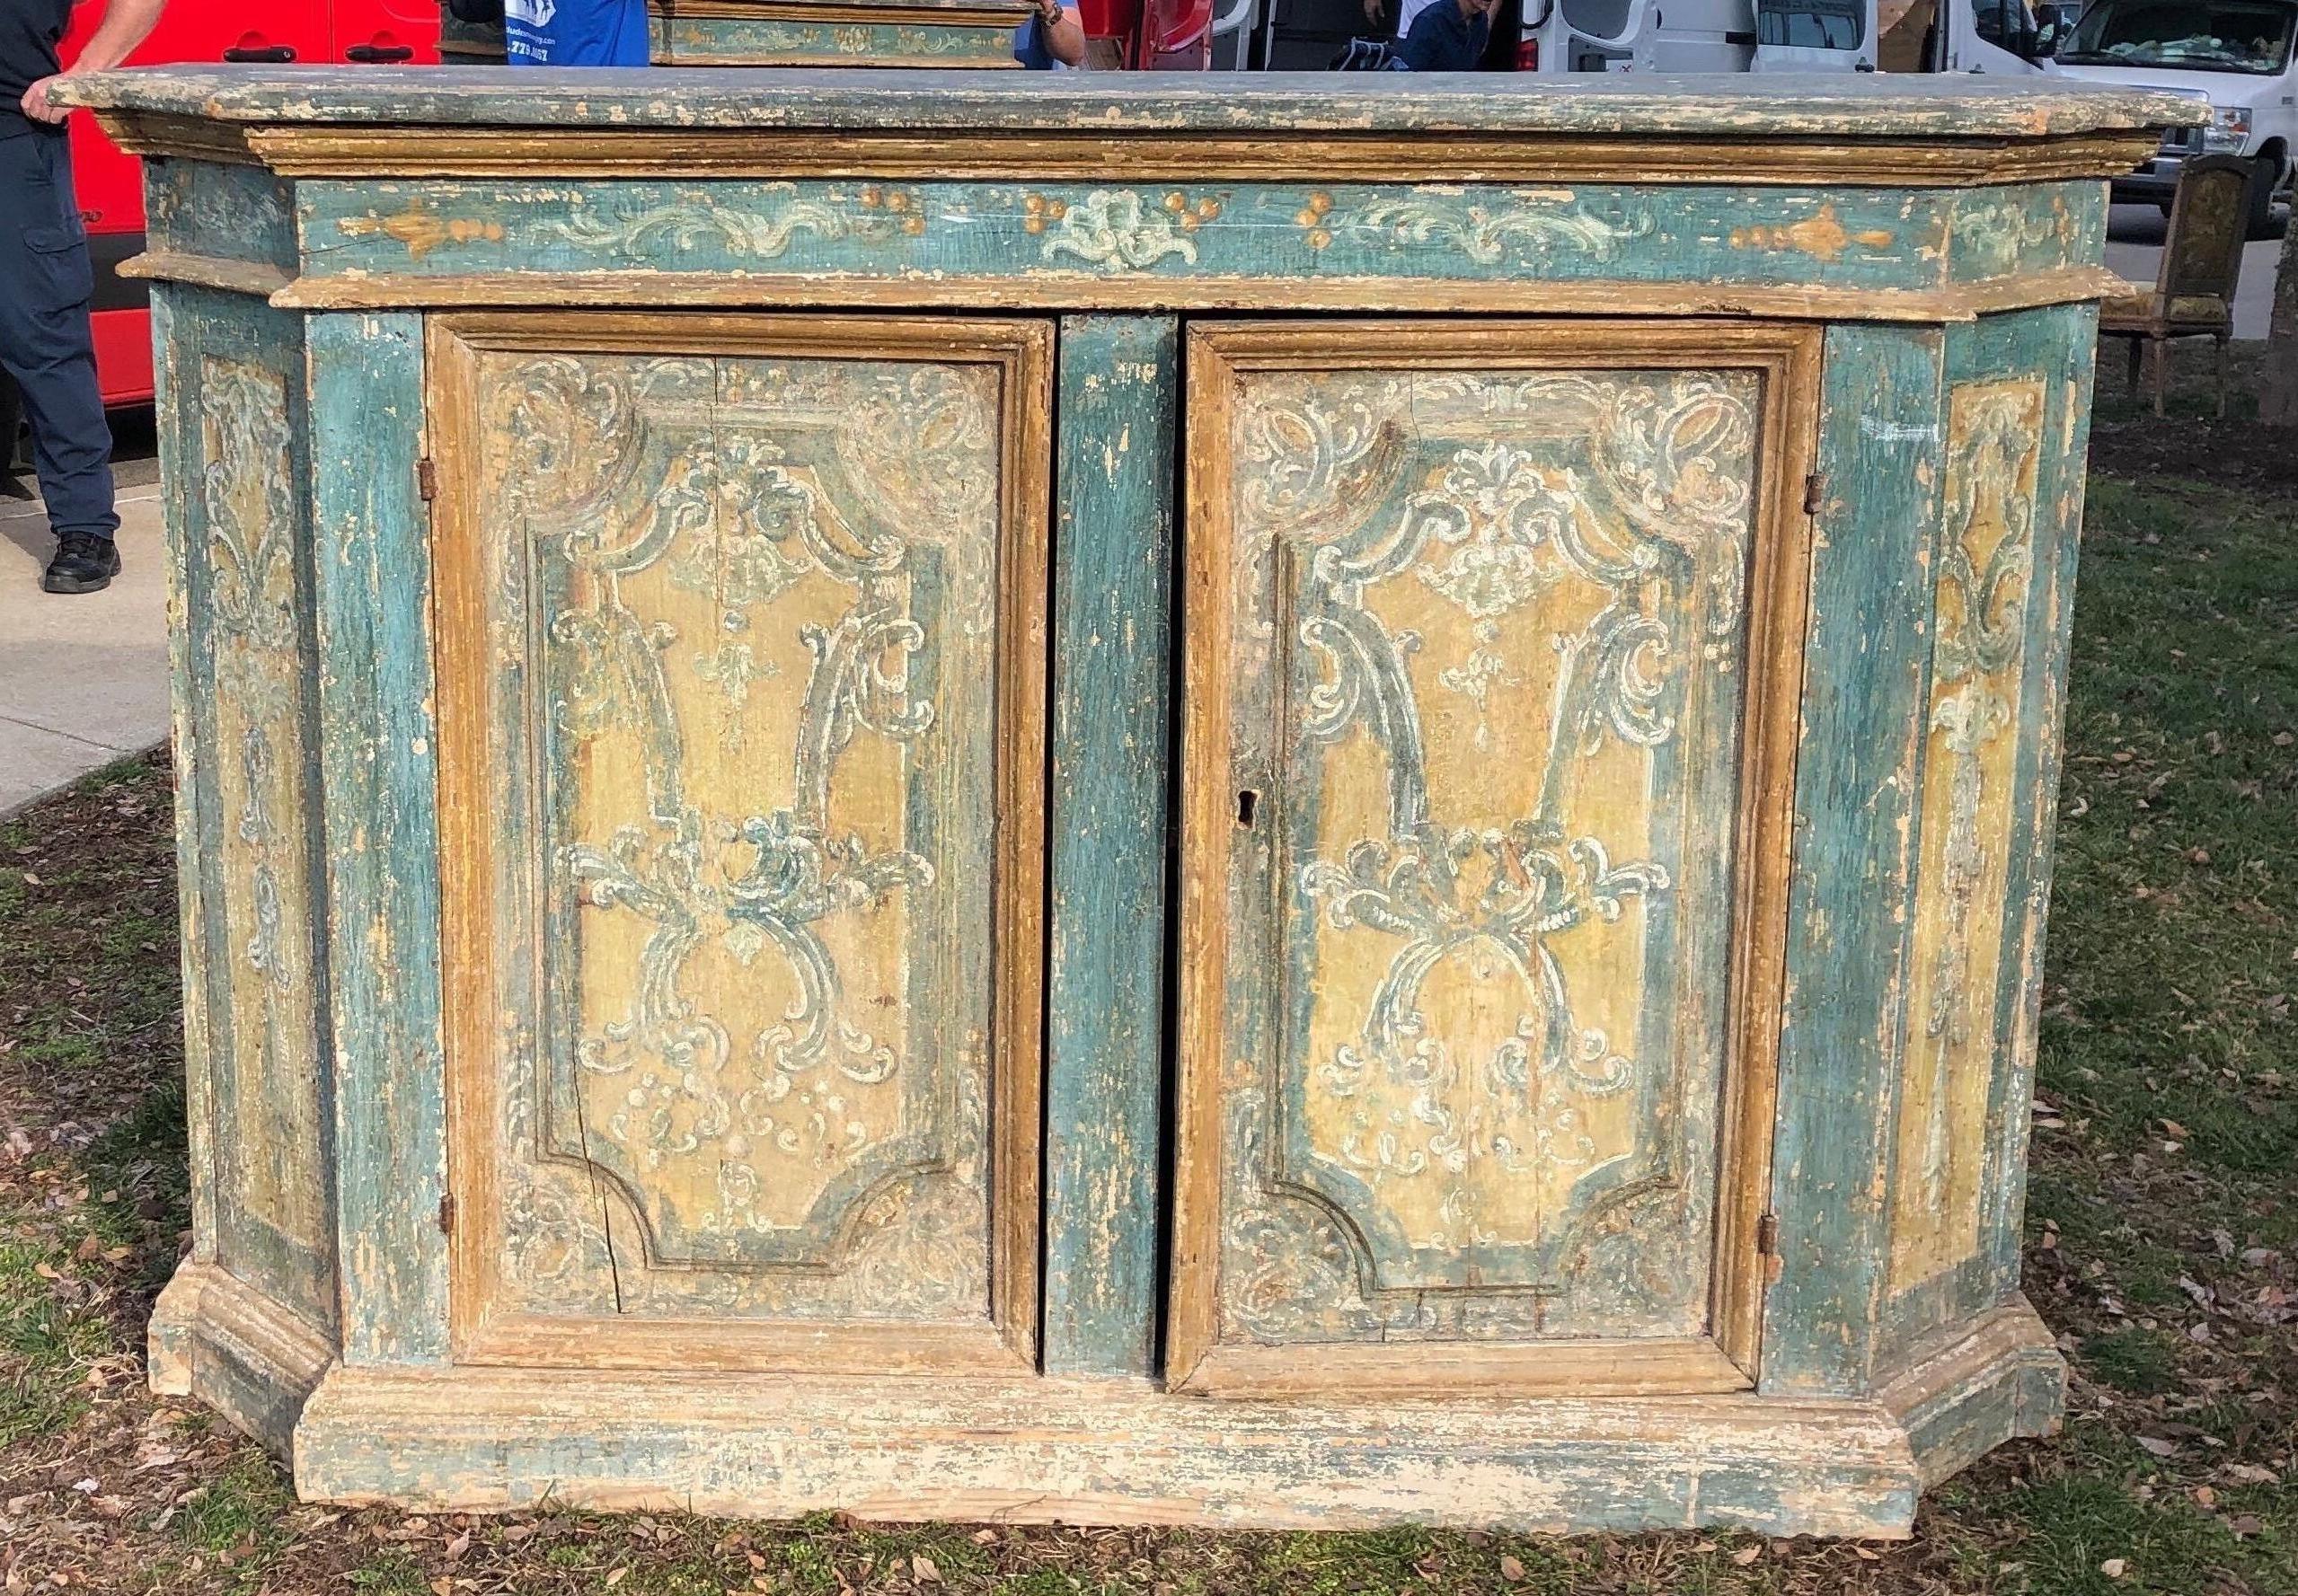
<point>2017,401</point>
<point>1487,633</point>
<point>759,697</point>
<point>1993,449</point>
<point>244,589</point>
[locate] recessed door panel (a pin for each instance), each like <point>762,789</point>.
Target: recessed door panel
<point>1485,751</point>
<point>743,648</point>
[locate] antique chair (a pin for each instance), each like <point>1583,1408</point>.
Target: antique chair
<point>2193,294</point>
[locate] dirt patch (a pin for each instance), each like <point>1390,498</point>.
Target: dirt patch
<point>2129,441</point>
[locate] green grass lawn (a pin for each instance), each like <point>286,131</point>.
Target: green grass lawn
<point>2162,1223</point>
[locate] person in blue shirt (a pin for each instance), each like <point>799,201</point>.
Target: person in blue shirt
<point>575,33</point>
<point>1051,38</point>
<point>1447,36</point>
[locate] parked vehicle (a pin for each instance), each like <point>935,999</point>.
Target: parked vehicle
<point>1698,36</point>
<point>2241,56</point>
<point>1148,35</point>
<point>379,33</point>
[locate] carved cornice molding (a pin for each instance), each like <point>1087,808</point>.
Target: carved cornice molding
<point>338,150</point>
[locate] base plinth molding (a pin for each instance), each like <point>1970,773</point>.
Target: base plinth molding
<point>1025,1449</point>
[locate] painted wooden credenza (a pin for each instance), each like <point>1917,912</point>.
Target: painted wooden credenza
<point>797,32</point>
<point>1312,802</point>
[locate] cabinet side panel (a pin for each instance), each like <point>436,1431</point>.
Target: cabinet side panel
<point>255,969</point>
<point>378,759</point>
<point>1866,664</point>
<point>2015,409</point>
<point>2070,336</point>
<point>179,477</point>
<point>1119,398</point>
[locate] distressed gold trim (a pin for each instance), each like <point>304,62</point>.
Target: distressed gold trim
<point>208,271</point>
<point>341,150</point>
<point>192,138</point>
<point>1043,290</point>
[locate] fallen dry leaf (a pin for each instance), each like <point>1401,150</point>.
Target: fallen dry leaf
<point>924,1570</point>
<point>2113,1567</point>
<point>1510,1568</point>
<point>1746,1555</point>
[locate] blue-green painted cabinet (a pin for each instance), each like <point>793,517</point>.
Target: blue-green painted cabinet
<point>1317,803</point>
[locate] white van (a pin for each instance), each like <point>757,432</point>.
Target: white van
<point>1697,36</point>
<point>2241,55</point>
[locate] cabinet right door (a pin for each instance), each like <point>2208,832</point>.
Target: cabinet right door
<point>1494,654</point>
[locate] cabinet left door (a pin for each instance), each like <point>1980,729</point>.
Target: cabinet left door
<point>741,640</point>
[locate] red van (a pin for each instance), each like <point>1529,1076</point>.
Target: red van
<point>378,33</point>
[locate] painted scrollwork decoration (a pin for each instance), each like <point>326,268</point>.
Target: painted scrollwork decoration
<point>755,582</point>
<point>1983,583</point>
<point>1451,1085</point>
<point>253,646</point>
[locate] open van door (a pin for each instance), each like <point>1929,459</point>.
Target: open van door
<point>1815,36</point>
<point>2006,38</point>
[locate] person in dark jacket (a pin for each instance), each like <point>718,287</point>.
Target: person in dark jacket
<point>46,342</point>
<point>1448,36</point>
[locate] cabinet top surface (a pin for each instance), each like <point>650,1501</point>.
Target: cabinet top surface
<point>925,103</point>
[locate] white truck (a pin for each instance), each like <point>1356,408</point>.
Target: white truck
<point>2241,56</point>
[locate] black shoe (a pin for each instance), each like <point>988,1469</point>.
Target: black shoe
<point>83,563</point>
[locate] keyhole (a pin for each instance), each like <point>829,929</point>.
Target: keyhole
<point>1247,802</point>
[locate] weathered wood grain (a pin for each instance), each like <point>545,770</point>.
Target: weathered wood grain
<point>1958,1194</point>
<point>1970,1388</point>
<point>1084,290</point>
<point>251,1358</point>
<point>2067,343</point>
<point>1100,1452</point>
<point>1856,777</point>
<point>1785,106</point>
<point>1118,152</point>
<point>225,212</point>
<point>378,773</point>
<point>175,1314</point>
<point>1105,1043</point>
<point>255,972</point>
<point>800,34</point>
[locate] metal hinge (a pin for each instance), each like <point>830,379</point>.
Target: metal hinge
<point>427,479</point>
<point>446,1214</point>
<point>1815,493</point>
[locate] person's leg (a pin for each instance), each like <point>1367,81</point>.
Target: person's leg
<point>46,347</point>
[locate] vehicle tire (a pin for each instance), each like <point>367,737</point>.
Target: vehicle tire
<point>2263,173</point>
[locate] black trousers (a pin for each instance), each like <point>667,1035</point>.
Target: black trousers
<point>45,342</point>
